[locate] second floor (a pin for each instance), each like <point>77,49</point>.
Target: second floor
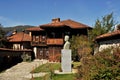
<point>50,34</point>
<point>52,37</point>
<point>53,33</point>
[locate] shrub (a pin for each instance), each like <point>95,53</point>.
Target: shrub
<point>102,66</point>
<point>25,57</point>
<point>80,47</point>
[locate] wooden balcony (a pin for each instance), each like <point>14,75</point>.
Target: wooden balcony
<point>54,41</point>
<point>39,41</point>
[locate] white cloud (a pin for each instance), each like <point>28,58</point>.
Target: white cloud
<point>6,22</point>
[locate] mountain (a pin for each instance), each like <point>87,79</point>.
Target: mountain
<point>18,28</point>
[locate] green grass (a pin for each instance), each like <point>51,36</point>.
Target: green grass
<point>58,77</point>
<point>50,67</point>
<point>76,64</point>
<point>47,67</point>
<point>64,77</point>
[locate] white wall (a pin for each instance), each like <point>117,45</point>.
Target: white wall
<point>16,46</point>
<point>109,43</point>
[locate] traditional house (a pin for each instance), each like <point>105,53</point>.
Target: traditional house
<point>19,41</point>
<point>47,40</point>
<point>18,48</point>
<point>108,40</point>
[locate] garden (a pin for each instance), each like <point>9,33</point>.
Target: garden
<point>104,65</point>
<point>50,68</point>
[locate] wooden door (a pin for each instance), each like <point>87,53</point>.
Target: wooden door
<point>43,53</point>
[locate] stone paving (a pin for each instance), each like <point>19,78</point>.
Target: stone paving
<point>22,70</point>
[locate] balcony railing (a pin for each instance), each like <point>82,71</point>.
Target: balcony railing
<point>54,41</point>
<point>39,41</point>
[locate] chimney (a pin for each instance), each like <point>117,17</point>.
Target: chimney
<point>14,32</point>
<point>55,20</point>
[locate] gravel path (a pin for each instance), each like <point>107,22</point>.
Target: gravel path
<point>21,70</point>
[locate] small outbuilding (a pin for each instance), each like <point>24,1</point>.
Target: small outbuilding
<point>108,40</point>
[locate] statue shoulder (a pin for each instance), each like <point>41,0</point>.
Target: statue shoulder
<point>66,45</point>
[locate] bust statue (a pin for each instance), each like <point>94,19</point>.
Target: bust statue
<point>67,43</point>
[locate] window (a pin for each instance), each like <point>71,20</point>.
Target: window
<point>16,46</point>
<point>41,52</point>
<point>37,38</point>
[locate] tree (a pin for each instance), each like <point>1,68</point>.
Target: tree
<point>1,31</point>
<point>2,38</point>
<point>105,25</point>
<point>80,47</point>
<point>118,27</point>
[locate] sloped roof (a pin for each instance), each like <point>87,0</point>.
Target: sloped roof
<point>74,24</point>
<point>35,29</point>
<point>57,24</point>
<point>117,32</point>
<point>19,37</point>
<point>68,23</point>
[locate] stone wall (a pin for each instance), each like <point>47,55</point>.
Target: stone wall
<point>10,57</point>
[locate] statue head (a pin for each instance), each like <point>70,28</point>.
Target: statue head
<point>66,38</point>
<point>67,43</point>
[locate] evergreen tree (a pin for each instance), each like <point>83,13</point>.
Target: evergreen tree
<point>105,25</point>
<point>2,38</point>
<point>1,31</point>
<point>80,47</point>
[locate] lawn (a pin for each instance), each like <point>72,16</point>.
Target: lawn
<point>58,77</point>
<point>76,64</point>
<point>47,67</point>
<point>64,77</point>
<point>50,67</point>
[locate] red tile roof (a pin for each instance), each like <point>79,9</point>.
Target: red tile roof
<point>56,24</point>
<point>34,29</point>
<point>74,24</point>
<point>117,32</point>
<point>70,23</point>
<point>19,37</point>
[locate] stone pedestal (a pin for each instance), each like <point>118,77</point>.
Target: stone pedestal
<point>66,60</point>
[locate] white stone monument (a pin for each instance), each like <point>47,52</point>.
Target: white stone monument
<point>66,56</point>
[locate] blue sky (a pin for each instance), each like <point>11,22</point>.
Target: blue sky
<point>37,12</point>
